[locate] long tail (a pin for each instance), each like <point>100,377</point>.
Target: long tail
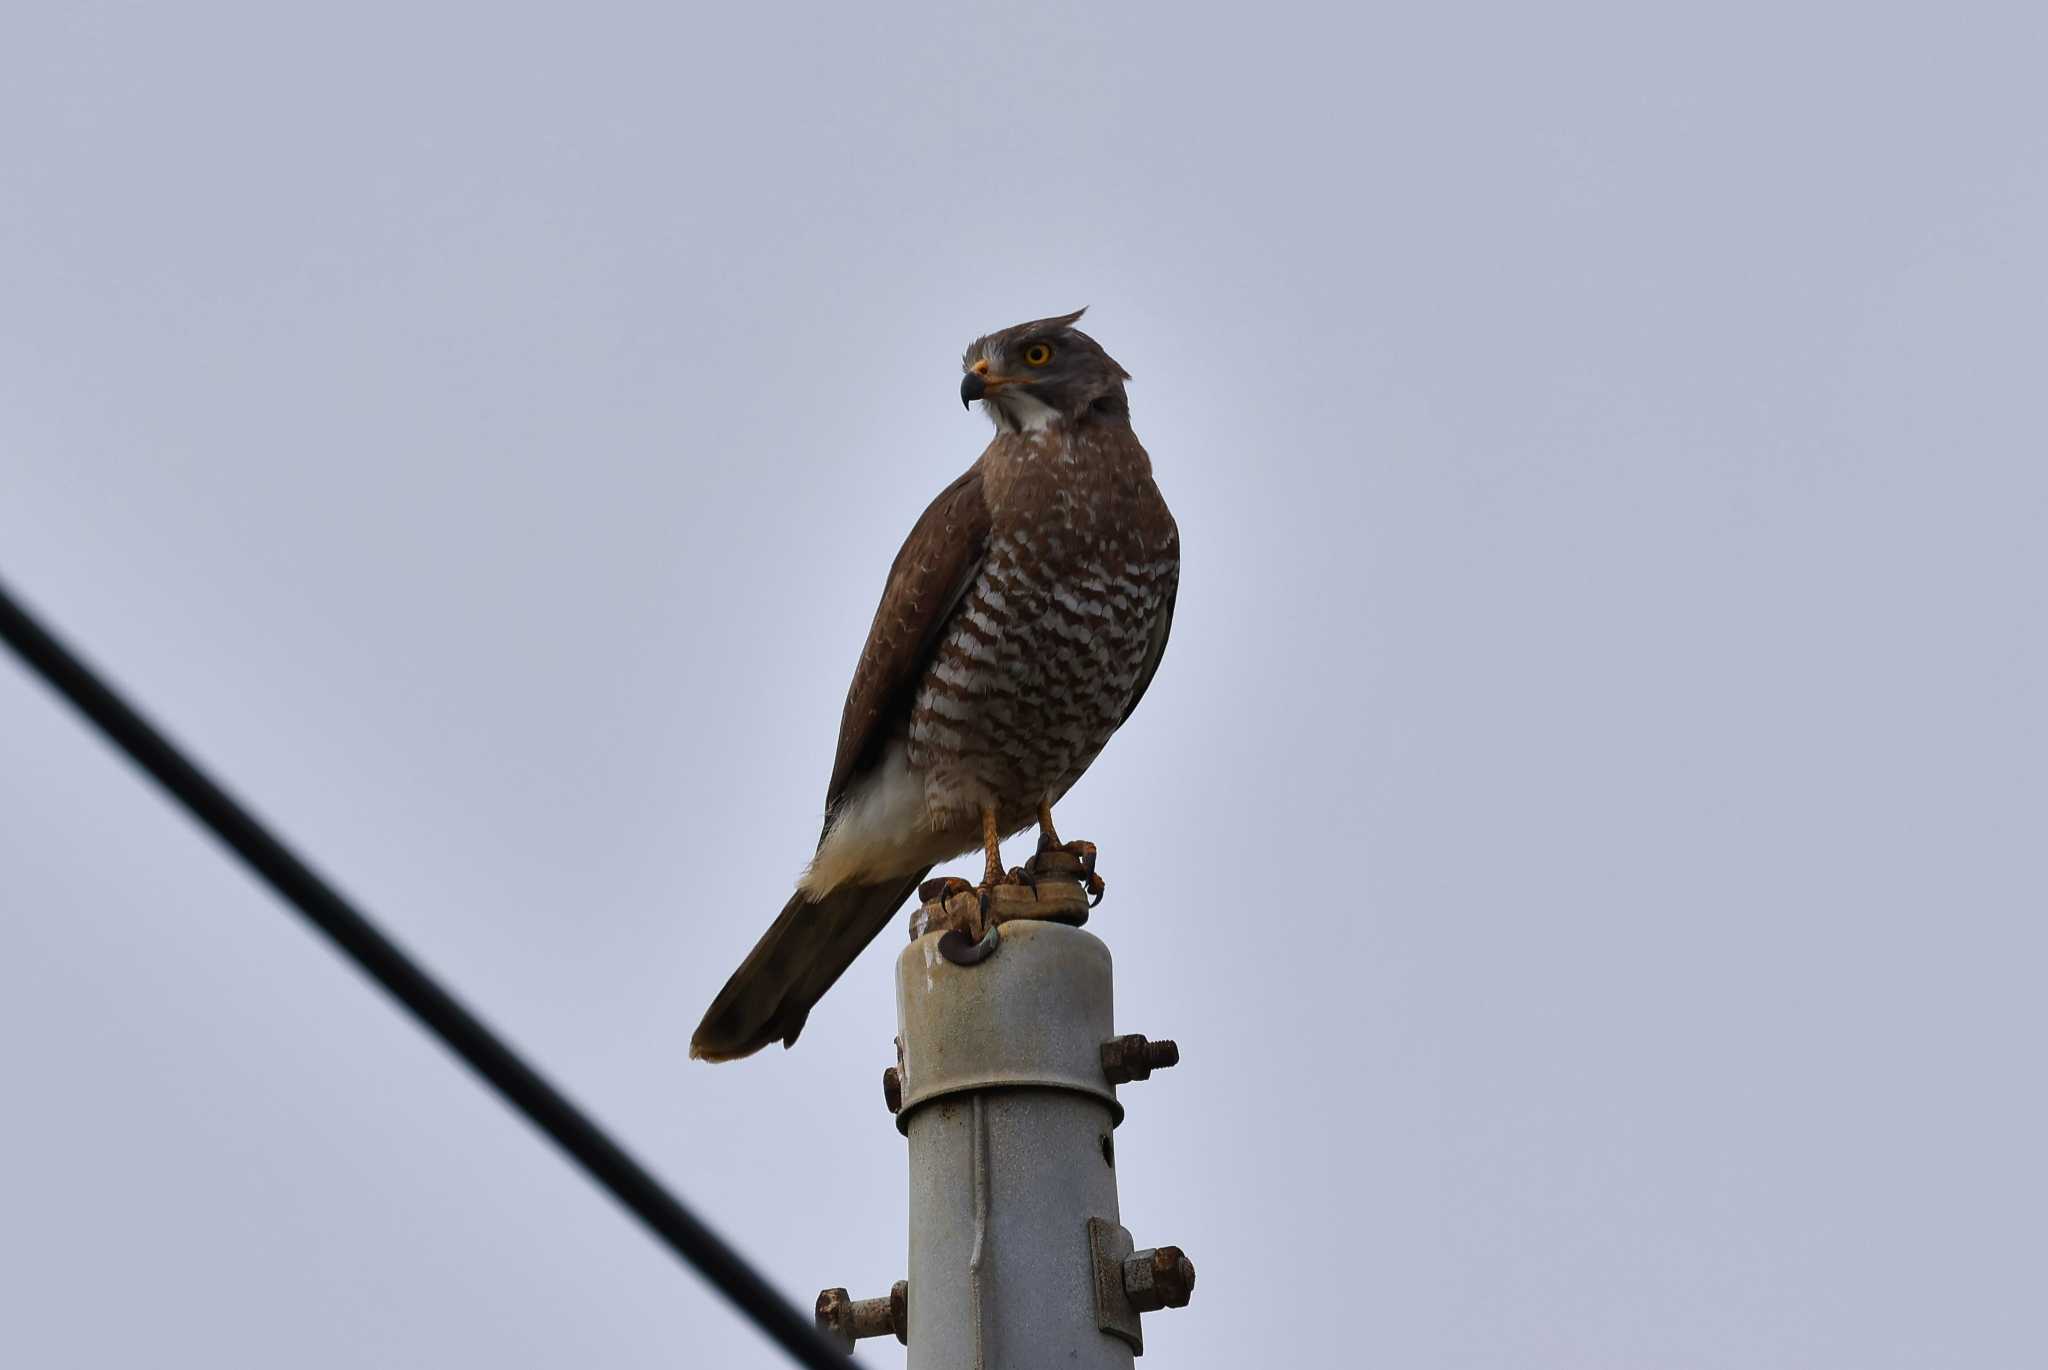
<point>793,965</point>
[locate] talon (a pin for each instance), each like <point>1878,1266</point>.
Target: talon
<point>956,947</point>
<point>941,888</point>
<point>1021,875</point>
<point>1095,888</point>
<point>1084,850</point>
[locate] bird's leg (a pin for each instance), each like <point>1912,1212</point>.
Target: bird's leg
<point>992,858</point>
<point>1049,840</point>
<point>992,847</point>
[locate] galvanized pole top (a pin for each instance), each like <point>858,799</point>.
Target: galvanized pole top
<point>1005,1084</point>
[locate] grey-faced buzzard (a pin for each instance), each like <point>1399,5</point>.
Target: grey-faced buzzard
<point>1020,625</point>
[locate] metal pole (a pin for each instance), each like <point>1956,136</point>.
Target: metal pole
<point>1005,1088</point>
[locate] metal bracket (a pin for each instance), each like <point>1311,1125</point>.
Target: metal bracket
<point>1108,1245</point>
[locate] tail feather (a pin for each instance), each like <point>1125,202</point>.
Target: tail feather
<point>791,967</point>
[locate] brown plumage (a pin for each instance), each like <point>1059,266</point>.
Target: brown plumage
<point>1022,620</point>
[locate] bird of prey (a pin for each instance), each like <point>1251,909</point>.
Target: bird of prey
<point>1020,625</point>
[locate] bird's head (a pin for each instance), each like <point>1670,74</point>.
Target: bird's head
<point>1043,373</point>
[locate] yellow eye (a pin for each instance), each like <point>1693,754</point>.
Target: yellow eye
<point>1038,354</point>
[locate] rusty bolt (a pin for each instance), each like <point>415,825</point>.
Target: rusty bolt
<point>892,1089</point>
<point>847,1320</point>
<point>1157,1278</point>
<point>1134,1058</point>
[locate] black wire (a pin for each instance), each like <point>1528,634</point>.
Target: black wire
<point>435,1008</point>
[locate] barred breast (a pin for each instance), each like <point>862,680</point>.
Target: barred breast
<point>1039,664</point>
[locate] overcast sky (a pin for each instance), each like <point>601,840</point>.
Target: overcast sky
<point>1586,835</point>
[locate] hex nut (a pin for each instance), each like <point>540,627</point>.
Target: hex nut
<point>1161,1277</point>
<point>1134,1057</point>
<point>899,1310</point>
<point>847,1320</point>
<point>834,1317</point>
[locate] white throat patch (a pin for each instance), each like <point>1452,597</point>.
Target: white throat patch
<point>1018,411</point>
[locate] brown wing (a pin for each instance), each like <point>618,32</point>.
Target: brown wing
<point>1153,653</point>
<point>1152,656</point>
<point>939,561</point>
<point>1156,649</point>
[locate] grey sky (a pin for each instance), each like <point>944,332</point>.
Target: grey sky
<point>1586,834</point>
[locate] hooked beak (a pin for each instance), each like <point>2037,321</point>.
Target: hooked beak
<point>978,382</point>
